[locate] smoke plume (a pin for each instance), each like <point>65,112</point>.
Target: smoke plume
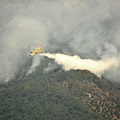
<point>35,63</point>
<point>86,28</point>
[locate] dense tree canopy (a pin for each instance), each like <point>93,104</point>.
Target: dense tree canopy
<point>71,95</point>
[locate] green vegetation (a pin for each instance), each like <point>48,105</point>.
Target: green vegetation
<point>72,95</point>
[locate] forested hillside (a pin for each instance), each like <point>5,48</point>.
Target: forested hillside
<point>39,88</point>
<point>71,95</point>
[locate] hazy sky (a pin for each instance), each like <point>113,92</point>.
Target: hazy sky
<point>87,28</point>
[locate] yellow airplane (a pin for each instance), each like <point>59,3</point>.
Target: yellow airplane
<point>37,51</point>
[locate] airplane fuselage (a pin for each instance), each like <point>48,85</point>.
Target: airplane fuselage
<point>37,51</point>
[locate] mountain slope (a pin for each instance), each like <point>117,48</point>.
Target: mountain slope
<point>63,95</point>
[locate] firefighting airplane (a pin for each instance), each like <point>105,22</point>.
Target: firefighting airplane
<point>37,51</point>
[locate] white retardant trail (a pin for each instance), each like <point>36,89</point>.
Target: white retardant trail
<point>75,62</point>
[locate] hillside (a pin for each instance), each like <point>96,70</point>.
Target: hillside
<point>63,95</point>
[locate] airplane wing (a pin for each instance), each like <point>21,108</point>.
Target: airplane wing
<point>36,49</point>
<point>40,51</point>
